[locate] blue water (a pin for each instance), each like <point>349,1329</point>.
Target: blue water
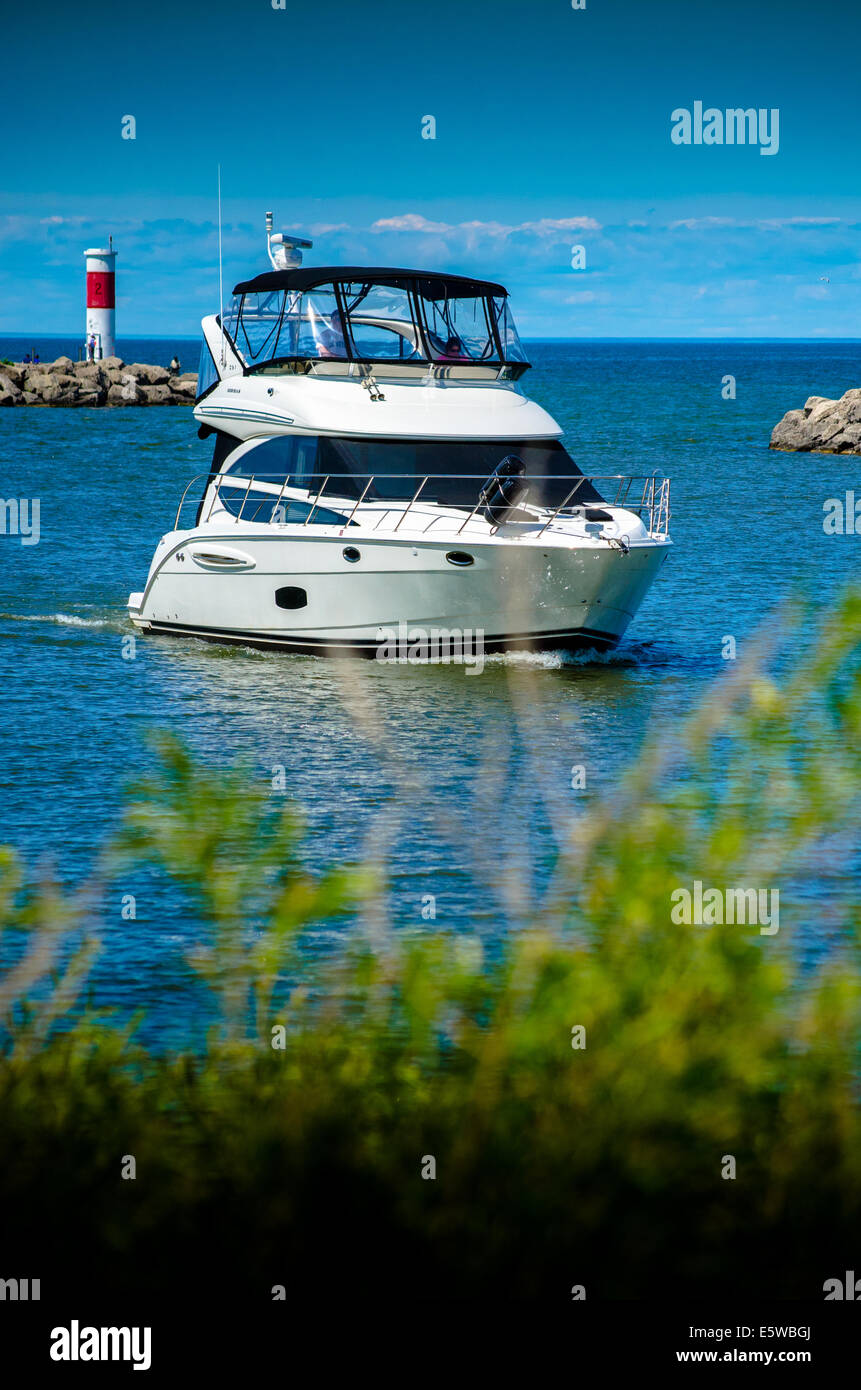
<point>463,782</point>
<point>157,352</point>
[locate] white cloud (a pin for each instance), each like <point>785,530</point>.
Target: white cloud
<point>760,224</point>
<point>409,222</point>
<point>549,226</point>
<point>542,227</point>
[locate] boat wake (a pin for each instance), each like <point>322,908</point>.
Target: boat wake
<point>648,653</point>
<point>64,620</point>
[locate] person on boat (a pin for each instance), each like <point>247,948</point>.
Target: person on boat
<point>454,350</point>
<point>174,365</point>
<point>331,341</point>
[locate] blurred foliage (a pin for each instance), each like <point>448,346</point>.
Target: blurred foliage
<point>555,1165</point>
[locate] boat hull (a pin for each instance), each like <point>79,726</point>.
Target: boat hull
<point>301,594</point>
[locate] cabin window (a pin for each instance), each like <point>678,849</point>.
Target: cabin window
<point>457,329</point>
<point>254,322</point>
<point>265,507</point>
<point>315,326</point>
<point>411,320</point>
<point>381,321</point>
<point>292,456</point>
<point>512,348</point>
<point>455,468</point>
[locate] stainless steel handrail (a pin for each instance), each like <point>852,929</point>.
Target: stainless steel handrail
<point>245,499</point>
<point>654,499</point>
<point>358,504</point>
<point>281,494</point>
<point>316,500</point>
<point>578,484</point>
<point>415,499</point>
<point>183,497</point>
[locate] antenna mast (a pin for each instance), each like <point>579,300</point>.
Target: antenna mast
<point>220,271</point>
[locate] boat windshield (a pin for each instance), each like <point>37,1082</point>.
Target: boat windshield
<point>455,469</point>
<point>409,319</point>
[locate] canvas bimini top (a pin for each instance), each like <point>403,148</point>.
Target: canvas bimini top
<point>435,284</point>
<point>373,315</point>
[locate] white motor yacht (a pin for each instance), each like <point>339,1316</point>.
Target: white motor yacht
<point>378,469</point>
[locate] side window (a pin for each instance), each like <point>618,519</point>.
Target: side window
<point>292,456</point>
<point>380,344</point>
<point>320,330</point>
<point>264,507</point>
<point>225,445</point>
<point>258,325</point>
<point>458,329</point>
<point>272,461</point>
<point>207,372</point>
<point>381,321</point>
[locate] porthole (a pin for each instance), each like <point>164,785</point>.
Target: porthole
<point>352,554</point>
<point>459,558</point>
<point>291,597</point>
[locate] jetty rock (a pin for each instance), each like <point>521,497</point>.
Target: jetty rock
<point>109,382</point>
<point>823,426</point>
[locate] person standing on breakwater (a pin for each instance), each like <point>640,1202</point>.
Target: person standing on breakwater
<point>174,365</point>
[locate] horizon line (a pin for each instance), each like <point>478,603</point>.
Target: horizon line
<point>548,338</point>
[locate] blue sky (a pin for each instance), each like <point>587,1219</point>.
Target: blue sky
<point>552,130</point>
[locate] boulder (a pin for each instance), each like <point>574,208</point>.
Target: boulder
<point>183,390</point>
<point>790,432</point>
<point>10,392</point>
<point>850,404</point>
<point>38,380</point>
<point>821,412</point>
<point>93,379</point>
<point>125,392</point>
<point>157,395</point>
<point>849,442</point>
<point>131,389</point>
<point>63,390</point>
<point>823,426</point>
<point>148,376</point>
<point>108,382</point>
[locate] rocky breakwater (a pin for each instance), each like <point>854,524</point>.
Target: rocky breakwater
<point>823,426</point>
<point>109,382</point>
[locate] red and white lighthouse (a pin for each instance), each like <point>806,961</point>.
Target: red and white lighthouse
<point>101,301</point>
